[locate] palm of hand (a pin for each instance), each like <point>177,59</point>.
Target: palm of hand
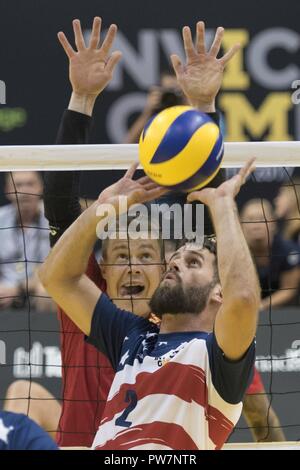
<point>202,78</point>
<point>136,191</point>
<point>125,187</point>
<point>88,73</point>
<point>229,188</point>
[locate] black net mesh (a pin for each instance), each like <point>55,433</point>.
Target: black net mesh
<point>32,336</point>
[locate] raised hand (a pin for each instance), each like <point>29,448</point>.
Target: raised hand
<point>90,67</point>
<point>229,188</point>
<point>201,77</point>
<point>137,191</point>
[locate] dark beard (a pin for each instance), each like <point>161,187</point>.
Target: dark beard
<point>177,299</point>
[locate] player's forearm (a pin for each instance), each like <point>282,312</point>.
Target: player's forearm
<point>68,259</point>
<point>236,269</point>
<point>82,103</point>
<point>278,299</point>
<point>61,188</point>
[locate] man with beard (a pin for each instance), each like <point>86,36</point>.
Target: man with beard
<point>179,386</point>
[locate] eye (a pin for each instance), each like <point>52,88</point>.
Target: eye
<point>194,262</point>
<point>146,256</point>
<point>122,257</point>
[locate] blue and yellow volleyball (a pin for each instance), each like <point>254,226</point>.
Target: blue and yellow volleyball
<point>181,148</point>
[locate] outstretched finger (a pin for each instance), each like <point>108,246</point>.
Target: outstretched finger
<point>109,39</point>
<point>95,35</point>
<point>79,41</point>
<point>228,56</point>
<point>131,170</point>
<point>155,193</point>
<point>247,169</point>
<point>215,47</point>
<point>188,43</point>
<point>143,180</point>
<point>113,60</point>
<point>65,44</point>
<point>177,65</point>
<point>150,185</point>
<point>200,37</point>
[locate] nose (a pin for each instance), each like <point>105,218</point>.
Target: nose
<point>134,266</point>
<point>174,265</point>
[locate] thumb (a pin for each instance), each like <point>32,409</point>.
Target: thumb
<point>195,196</point>
<point>177,65</point>
<point>113,60</point>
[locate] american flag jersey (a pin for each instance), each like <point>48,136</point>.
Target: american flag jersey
<point>170,391</point>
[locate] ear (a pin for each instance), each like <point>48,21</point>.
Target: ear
<point>216,294</point>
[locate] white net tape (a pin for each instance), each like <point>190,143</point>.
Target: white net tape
<point>106,157</point>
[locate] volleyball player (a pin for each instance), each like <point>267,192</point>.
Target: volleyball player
<point>180,387</point>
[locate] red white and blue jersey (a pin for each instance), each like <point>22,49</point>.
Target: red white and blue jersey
<point>171,391</point>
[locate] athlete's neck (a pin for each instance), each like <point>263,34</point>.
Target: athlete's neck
<point>184,322</point>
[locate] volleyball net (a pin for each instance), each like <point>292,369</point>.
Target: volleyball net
<point>30,333</point>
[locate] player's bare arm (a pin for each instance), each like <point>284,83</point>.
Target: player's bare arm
<point>201,76</point>
<point>63,272</point>
<point>90,67</point>
<point>236,321</point>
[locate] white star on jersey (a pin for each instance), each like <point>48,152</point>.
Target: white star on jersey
<point>124,357</point>
<point>149,335</point>
<point>4,431</point>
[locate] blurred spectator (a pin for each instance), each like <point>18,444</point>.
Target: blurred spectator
<point>277,260</point>
<point>159,97</point>
<point>287,210</point>
<point>24,241</point>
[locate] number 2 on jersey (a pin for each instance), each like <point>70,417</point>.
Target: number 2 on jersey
<point>131,397</point>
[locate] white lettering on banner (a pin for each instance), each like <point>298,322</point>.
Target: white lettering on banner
<point>2,92</point>
<point>257,57</point>
<point>39,362</point>
<point>267,119</point>
<point>52,361</point>
<point>296,94</point>
<point>287,362</point>
<point>2,352</point>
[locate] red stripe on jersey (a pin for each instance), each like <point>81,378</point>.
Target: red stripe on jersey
<point>166,434</point>
<point>171,379</point>
<point>186,382</point>
<point>219,426</point>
